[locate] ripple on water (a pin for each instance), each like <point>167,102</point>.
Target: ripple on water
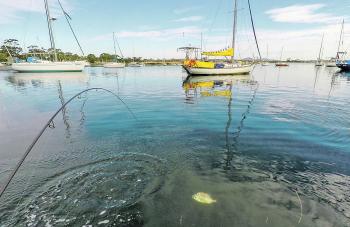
<point>102,192</point>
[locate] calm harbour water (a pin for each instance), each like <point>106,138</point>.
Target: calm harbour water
<point>272,148</point>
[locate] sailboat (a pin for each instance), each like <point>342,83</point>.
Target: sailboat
<point>115,64</point>
<point>267,56</point>
<point>134,63</point>
<point>341,62</point>
<point>280,63</point>
<point>319,61</point>
<point>195,67</point>
<point>49,66</point>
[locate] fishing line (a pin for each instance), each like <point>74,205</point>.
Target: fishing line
<point>50,123</point>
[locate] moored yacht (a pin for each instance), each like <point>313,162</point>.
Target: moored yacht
<point>200,67</point>
<point>49,66</point>
<point>115,64</point>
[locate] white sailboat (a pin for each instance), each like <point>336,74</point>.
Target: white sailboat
<point>49,66</point>
<point>281,63</point>
<point>331,63</point>
<point>134,63</point>
<point>115,64</point>
<point>267,56</point>
<point>194,67</point>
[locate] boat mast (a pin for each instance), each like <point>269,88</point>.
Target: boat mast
<point>120,50</point>
<point>281,54</point>
<point>234,30</point>
<point>201,45</point>
<point>267,51</point>
<point>319,55</point>
<point>115,49</point>
<point>340,39</point>
<point>49,25</point>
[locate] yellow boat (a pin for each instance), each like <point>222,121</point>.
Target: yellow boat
<point>200,67</point>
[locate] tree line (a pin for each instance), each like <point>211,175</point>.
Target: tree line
<point>11,48</point>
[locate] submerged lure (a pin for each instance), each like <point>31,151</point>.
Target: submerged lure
<point>204,198</point>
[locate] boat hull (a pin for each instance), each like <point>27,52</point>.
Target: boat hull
<point>135,65</point>
<point>114,65</point>
<point>223,71</point>
<point>281,64</point>
<point>48,67</point>
<point>344,66</point>
<point>331,64</point>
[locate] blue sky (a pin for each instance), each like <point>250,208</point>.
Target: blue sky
<point>156,28</point>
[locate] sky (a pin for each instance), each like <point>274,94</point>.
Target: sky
<point>156,28</point>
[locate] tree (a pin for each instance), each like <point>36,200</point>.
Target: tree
<point>3,57</point>
<point>92,58</point>
<point>12,46</point>
<point>104,57</point>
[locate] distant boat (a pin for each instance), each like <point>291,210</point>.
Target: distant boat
<point>197,67</point>
<point>115,64</point>
<point>344,65</point>
<point>135,64</point>
<point>164,63</point>
<point>331,64</point>
<point>319,61</point>
<point>280,63</point>
<point>48,66</point>
<point>341,62</point>
<point>267,56</point>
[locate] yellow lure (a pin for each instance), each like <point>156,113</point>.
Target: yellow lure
<point>204,198</point>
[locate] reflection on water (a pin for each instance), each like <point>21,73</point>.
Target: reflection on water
<point>270,148</point>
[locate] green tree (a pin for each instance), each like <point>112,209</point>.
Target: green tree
<point>12,46</point>
<point>92,58</point>
<point>3,57</point>
<point>104,57</point>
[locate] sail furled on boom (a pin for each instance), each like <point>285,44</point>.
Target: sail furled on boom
<point>221,53</point>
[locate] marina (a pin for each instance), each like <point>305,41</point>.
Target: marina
<point>175,118</point>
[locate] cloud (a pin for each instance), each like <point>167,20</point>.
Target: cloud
<point>12,11</point>
<point>189,19</point>
<point>302,14</point>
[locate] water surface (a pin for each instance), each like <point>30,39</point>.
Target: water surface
<point>272,148</point>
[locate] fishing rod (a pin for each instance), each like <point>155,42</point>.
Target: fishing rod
<point>50,124</point>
